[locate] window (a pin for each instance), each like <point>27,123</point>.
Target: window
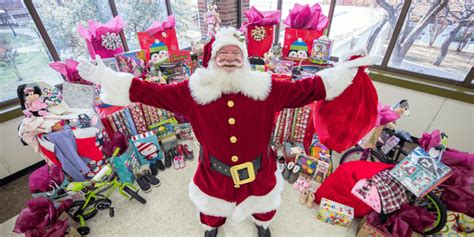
<point>61,17</point>
<point>138,16</point>
<point>23,56</point>
<point>436,40</point>
<point>264,5</point>
<point>363,24</point>
<point>187,21</point>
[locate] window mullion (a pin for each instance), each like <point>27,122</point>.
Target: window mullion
<point>44,34</point>
<point>168,7</point>
<point>396,32</point>
<point>332,8</point>
<point>113,8</point>
<point>277,28</point>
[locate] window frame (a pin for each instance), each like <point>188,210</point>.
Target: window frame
<point>467,82</point>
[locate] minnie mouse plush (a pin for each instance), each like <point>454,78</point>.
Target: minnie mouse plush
<point>31,102</point>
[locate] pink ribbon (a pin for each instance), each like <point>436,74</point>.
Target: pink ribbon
<point>261,18</point>
<point>158,26</point>
<point>430,140</point>
<point>95,28</point>
<point>308,18</point>
<point>69,70</point>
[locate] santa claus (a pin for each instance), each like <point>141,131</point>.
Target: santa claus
<point>231,109</point>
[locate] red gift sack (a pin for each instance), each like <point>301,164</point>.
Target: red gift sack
<point>299,42</point>
<point>259,40</point>
<point>343,121</point>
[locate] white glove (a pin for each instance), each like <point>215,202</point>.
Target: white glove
<point>90,72</point>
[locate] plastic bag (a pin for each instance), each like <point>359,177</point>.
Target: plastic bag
<point>343,121</point>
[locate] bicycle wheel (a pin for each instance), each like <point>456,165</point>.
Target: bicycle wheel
<point>75,210</point>
<point>434,205</point>
<point>134,194</point>
<point>355,154</point>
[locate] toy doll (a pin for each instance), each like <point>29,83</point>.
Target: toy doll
<point>31,102</point>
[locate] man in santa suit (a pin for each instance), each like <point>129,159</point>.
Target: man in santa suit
<point>231,109</point>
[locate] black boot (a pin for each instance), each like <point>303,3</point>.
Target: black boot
<point>263,232</point>
<point>211,233</point>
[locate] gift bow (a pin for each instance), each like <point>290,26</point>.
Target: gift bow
<point>69,70</point>
<point>158,26</point>
<point>258,18</point>
<point>308,18</point>
<point>95,28</point>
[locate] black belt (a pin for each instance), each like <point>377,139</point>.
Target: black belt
<point>241,173</point>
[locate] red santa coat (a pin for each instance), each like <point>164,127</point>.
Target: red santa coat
<point>233,121</point>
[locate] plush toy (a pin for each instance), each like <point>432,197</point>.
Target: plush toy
<point>273,54</point>
<point>212,19</point>
<point>31,102</point>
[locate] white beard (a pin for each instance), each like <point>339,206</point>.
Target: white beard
<point>208,84</point>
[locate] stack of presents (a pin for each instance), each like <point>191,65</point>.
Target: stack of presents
<point>78,135</point>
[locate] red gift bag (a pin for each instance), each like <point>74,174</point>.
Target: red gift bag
<point>158,45</point>
<point>343,121</point>
<point>298,42</point>
<point>259,40</point>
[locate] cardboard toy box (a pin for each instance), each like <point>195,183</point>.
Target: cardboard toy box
<point>367,230</point>
<point>335,213</point>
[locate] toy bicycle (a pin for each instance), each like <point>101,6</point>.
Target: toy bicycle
<point>97,195</point>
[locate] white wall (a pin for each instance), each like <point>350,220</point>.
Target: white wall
<point>13,155</point>
<point>428,112</point>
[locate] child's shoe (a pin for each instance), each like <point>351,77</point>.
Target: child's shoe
<point>144,185</point>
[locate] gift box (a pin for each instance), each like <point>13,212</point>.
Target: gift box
<point>147,147</point>
<point>420,173</point>
<point>158,41</point>
<point>126,165</point>
<point>260,30</point>
<point>321,50</point>
<point>305,25</point>
<point>132,62</point>
<point>103,39</point>
<point>335,213</point>
<point>184,57</point>
<point>175,72</point>
<point>313,167</point>
<point>367,230</point>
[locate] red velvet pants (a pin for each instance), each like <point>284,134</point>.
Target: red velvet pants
<point>217,221</point>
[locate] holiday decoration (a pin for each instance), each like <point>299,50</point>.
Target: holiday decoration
<point>212,19</point>
<point>259,30</point>
<point>158,41</point>
<point>103,39</point>
<point>305,25</point>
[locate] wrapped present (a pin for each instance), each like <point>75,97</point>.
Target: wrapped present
<point>132,62</point>
<point>305,25</point>
<point>147,147</point>
<point>175,72</point>
<point>129,121</point>
<point>420,173</point>
<point>159,40</point>
<point>335,213</point>
<point>103,39</point>
<point>260,30</point>
<point>126,165</point>
<point>321,51</point>
<point>138,118</point>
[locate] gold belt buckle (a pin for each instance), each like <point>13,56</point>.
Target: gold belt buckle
<point>235,174</point>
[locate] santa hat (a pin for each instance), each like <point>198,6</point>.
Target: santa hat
<point>224,37</point>
<point>142,146</point>
<point>158,46</point>
<point>299,45</point>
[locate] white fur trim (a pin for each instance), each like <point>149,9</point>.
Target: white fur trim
<point>264,224</point>
<point>208,84</point>
<point>227,36</point>
<point>339,77</point>
<point>84,132</point>
<point>206,227</point>
<point>254,204</point>
<point>115,87</point>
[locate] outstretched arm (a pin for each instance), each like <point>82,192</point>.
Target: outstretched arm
<point>327,84</point>
<point>121,89</point>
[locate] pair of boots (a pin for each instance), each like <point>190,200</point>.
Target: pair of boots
<point>291,172</point>
<point>307,198</point>
<point>261,232</point>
